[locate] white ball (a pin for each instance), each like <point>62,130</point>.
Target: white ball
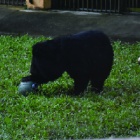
<point>139,60</point>
<point>26,87</point>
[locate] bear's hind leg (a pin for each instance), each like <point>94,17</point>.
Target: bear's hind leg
<point>97,85</point>
<point>80,84</point>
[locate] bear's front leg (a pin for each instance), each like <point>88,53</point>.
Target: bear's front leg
<point>26,79</point>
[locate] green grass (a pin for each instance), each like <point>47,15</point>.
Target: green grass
<point>51,113</point>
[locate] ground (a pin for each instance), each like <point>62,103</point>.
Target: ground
<point>17,20</point>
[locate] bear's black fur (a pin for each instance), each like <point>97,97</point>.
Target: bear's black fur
<point>86,56</point>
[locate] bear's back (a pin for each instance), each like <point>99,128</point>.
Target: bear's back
<point>89,43</point>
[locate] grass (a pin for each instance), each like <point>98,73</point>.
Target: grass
<point>52,114</point>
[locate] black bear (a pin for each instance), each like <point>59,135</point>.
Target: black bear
<point>85,56</point>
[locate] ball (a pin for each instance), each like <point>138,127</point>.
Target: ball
<point>27,87</point>
<point>139,60</point>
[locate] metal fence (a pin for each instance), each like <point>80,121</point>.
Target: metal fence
<point>132,5</point>
<point>88,5</point>
<point>107,6</point>
<point>13,2</point>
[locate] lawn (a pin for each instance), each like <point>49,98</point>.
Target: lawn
<point>52,114</point>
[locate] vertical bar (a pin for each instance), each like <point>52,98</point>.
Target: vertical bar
<point>115,4</point>
<point>105,6</point>
<point>78,4</point>
<point>128,4</point>
<point>69,4</point>
<point>92,5</point>
<point>119,6</point>
<point>101,4</point>
<point>97,5</point>
<point>132,3</point>
<point>110,6</point>
<point>136,3</point>
<point>60,4</point>
<point>83,4</point>
<point>73,4</point>
<point>65,4</point>
<point>87,5</point>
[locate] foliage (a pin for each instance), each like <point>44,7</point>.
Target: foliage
<point>52,113</point>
